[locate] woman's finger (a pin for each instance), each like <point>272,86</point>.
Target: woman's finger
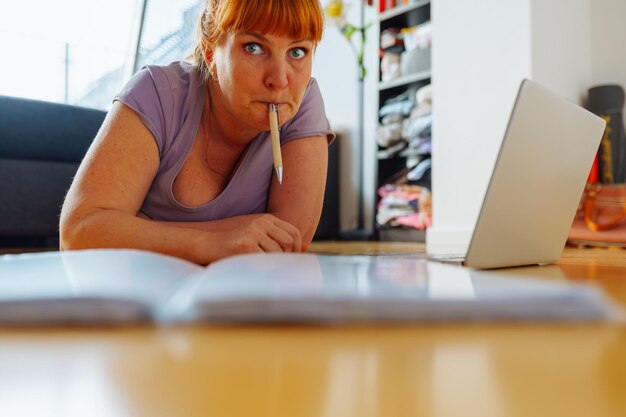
<point>268,244</point>
<point>287,235</point>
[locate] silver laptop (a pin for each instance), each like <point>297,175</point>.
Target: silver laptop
<point>536,184</point>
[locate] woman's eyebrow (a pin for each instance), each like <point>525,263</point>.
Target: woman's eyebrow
<point>264,39</point>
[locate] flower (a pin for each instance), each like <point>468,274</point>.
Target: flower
<point>336,11</point>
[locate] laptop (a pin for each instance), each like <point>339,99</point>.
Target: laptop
<point>536,184</point>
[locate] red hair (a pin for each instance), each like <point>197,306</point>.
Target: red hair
<point>297,19</point>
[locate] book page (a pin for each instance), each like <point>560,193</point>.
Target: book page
<point>329,288</point>
<point>104,285</point>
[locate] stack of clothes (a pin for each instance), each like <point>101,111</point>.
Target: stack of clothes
<point>405,124</point>
<point>404,205</point>
<point>405,130</point>
<point>405,51</point>
<point>416,129</point>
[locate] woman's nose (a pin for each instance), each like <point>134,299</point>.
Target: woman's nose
<point>276,75</point>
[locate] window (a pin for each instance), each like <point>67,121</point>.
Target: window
<point>82,51</point>
<point>169,30</point>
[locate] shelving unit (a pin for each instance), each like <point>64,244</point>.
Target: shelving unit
<point>403,16</point>
<point>402,10</point>
<point>404,80</point>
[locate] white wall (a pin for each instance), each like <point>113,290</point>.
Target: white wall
<point>481,52</point>
<point>561,46</point>
<point>335,69</point>
<point>608,42</point>
<point>334,73</point>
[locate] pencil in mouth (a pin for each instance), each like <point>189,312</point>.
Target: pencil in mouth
<point>278,159</point>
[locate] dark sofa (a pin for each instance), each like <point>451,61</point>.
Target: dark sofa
<point>41,146</point>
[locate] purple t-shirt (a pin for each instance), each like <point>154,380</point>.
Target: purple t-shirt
<point>169,101</point>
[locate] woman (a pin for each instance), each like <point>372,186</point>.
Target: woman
<point>183,162</point>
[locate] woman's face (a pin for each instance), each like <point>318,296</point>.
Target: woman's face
<point>256,69</point>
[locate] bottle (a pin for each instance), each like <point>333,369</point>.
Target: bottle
<point>607,101</point>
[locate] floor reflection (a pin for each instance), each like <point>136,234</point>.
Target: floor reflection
<point>436,371</point>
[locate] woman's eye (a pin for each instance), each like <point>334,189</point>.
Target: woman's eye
<point>297,53</point>
<point>253,48</point>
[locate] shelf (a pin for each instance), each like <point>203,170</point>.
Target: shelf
<point>406,79</point>
<point>415,67</point>
<point>398,10</point>
<point>405,153</point>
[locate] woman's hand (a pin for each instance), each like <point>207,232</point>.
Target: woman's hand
<point>253,233</point>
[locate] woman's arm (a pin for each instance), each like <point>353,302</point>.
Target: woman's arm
<point>299,199</point>
<point>101,207</point>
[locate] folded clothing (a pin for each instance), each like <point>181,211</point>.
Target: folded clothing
<point>407,205</point>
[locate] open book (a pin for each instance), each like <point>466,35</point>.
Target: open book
<point>116,286</point>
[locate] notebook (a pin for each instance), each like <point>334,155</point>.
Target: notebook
<point>121,286</point>
<point>536,184</point>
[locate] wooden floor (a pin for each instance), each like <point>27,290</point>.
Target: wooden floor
<point>449,370</point>
<point>366,247</point>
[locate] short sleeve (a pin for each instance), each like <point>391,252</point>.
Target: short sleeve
<point>310,120</point>
<point>150,102</point>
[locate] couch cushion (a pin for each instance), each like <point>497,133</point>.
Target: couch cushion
<point>32,194</point>
<point>38,130</point>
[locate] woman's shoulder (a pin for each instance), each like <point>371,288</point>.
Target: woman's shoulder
<point>310,120</point>
<point>312,99</point>
<point>178,76</point>
<point>163,83</point>
<point>164,96</point>
<point>312,88</point>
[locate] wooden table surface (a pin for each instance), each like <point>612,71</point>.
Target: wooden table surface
<point>405,370</point>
